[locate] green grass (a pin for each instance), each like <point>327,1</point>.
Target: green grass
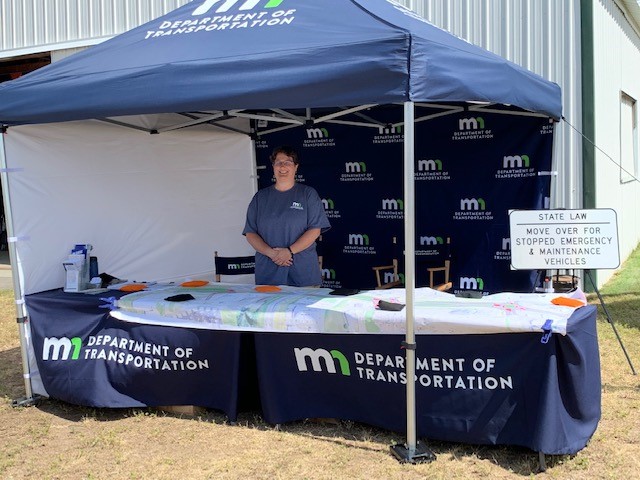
<point>621,294</point>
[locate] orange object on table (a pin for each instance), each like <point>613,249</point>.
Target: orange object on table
<point>568,302</point>
<point>194,283</point>
<point>132,287</point>
<point>267,288</point>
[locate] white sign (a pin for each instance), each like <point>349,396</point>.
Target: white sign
<point>564,239</point>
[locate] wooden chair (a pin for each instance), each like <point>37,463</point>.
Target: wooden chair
<point>391,270</point>
<point>444,269</point>
<point>387,269</point>
<point>234,265</point>
<point>446,285</point>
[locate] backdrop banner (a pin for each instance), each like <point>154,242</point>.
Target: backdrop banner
<point>470,169</point>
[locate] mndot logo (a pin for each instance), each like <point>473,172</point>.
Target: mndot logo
<point>207,5</point>
<point>61,348</point>
<point>328,274</point>
<point>317,133</point>
<point>390,277</point>
<point>472,209</point>
<point>472,204</point>
<point>358,243</point>
<point>321,360</point>
<point>318,137</point>
<point>216,15</point>
<point>470,283</point>
<point>471,123</point>
<point>392,209</point>
<point>516,166</point>
<point>431,169</point>
<point>355,167</point>
<point>123,350</point>
<point>358,239</point>
<point>431,165</point>
<point>328,204</point>
<point>356,172</point>
<point>392,204</point>
<point>431,240</point>
<point>389,134</point>
<point>390,130</point>
<point>472,128</point>
<point>505,252</point>
<point>515,161</point>
<point>329,278</point>
<point>330,208</point>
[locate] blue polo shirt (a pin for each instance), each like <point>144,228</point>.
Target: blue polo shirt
<point>280,218</point>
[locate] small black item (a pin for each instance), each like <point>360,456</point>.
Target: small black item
<point>394,307</point>
<point>181,297</point>
<point>469,294</point>
<point>93,267</point>
<point>344,291</point>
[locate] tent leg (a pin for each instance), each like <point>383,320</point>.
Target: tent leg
<point>421,453</point>
<point>542,463</point>
<point>17,292</point>
<point>29,400</point>
<point>412,451</point>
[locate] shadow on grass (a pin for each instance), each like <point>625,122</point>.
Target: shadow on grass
<point>351,435</point>
<point>11,382</point>
<point>517,460</point>
<point>624,309</point>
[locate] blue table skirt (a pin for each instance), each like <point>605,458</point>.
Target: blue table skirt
<point>510,389</point>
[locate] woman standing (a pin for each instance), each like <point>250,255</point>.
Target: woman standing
<point>283,222</point>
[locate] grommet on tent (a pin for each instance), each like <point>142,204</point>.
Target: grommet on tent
<point>154,132</point>
<point>3,128</point>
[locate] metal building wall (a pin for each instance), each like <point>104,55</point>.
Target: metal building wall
<point>35,26</point>
<point>542,36</point>
<point>616,71</point>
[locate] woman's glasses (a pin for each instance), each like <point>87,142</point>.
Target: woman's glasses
<point>283,163</point>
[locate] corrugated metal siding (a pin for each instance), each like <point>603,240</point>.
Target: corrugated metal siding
<point>28,26</point>
<point>542,36</point>
<point>617,70</point>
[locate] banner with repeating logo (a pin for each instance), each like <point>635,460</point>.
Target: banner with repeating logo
<point>470,170</point>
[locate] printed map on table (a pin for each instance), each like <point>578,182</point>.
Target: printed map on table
<point>302,310</point>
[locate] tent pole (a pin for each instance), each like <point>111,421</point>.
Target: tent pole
<point>409,269</point>
<point>412,451</point>
<point>21,311</point>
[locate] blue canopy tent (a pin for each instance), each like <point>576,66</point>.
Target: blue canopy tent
<point>215,59</point>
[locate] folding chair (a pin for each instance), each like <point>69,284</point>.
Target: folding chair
<point>444,269</point>
<point>234,265</point>
<point>387,275</point>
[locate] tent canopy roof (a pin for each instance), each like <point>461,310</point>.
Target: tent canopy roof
<point>217,55</point>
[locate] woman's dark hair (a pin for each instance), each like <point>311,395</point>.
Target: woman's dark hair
<point>287,150</point>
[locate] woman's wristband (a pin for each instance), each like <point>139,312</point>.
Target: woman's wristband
<point>290,251</point>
